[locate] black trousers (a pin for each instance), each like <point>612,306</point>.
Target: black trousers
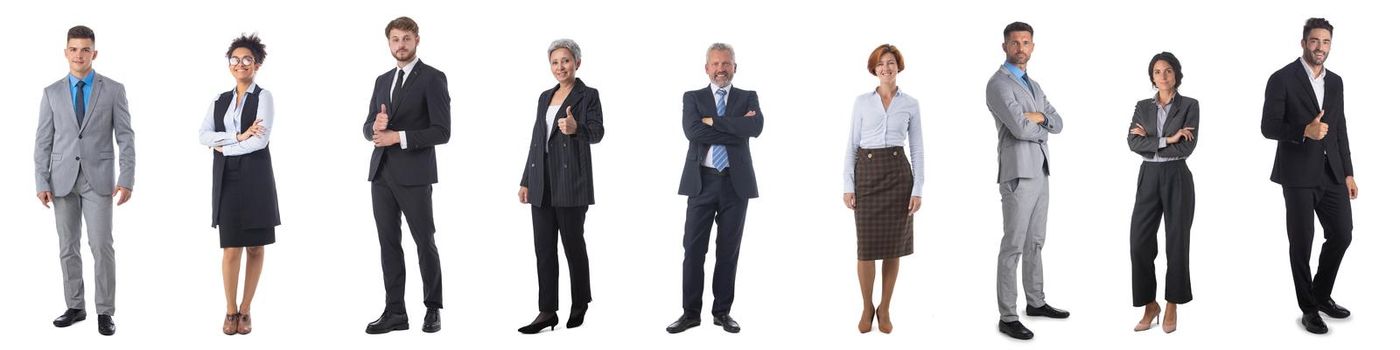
<point>414,203</point>
<point>1332,204</point>
<point>551,225</point>
<point>717,203</point>
<point>1165,189</point>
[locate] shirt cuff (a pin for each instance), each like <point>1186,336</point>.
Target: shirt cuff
<point>1161,142</point>
<point>403,140</point>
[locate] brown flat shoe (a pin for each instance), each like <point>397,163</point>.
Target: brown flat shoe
<point>230,323</point>
<point>245,324</point>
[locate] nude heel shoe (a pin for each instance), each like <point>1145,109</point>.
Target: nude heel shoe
<point>1147,322</point>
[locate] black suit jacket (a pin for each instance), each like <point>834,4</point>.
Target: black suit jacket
<point>1184,112</point>
<point>1289,105</point>
<point>423,113</point>
<point>569,161</point>
<point>733,131</point>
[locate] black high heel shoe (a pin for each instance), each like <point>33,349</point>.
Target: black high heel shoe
<point>576,316</point>
<point>541,322</point>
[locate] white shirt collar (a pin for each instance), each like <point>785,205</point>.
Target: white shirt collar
<point>408,68</point>
<point>1310,68</point>
<point>714,89</point>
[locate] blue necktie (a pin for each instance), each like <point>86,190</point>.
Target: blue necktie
<point>717,152</point>
<point>1027,80</point>
<point>79,103</point>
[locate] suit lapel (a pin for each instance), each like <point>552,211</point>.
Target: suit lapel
<point>1178,110</point>
<point>731,105</point>
<point>1016,81</point>
<point>1305,76</point>
<point>568,100</point>
<point>65,113</point>
<point>707,106</point>
<point>97,83</point>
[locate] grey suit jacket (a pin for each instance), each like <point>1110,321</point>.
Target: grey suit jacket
<point>61,145</point>
<point>1021,145</point>
<point>1184,113</point>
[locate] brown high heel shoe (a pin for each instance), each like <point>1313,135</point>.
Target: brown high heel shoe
<point>1169,320</point>
<point>865,320</point>
<point>1148,321</point>
<point>230,323</point>
<point>245,324</point>
<point>885,325</point>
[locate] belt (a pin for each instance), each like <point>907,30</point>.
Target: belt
<point>712,171</point>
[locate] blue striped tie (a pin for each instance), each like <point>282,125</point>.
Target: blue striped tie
<point>718,154</point>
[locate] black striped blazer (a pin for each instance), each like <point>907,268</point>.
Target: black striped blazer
<point>569,162</point>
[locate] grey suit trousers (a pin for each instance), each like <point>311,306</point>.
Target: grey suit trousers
<point>1024,203</point>
<point>86,204</point>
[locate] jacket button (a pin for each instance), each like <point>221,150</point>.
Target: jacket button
<point>77,158</point>
<point>532,165</point>
<point>870,156</point>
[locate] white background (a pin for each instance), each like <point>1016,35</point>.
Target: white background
<point>797,284</point>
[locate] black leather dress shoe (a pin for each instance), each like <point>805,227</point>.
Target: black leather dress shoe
<point>1314,323</point>
<point>1046,311</point>
<point>729,324</point>
<point>388,322</point>
<point>1015,329</point>
<point>541,322</point>
<point>432,321</point>
<point>69,317</point>
<point>105,326</point>
<point>576,314</point>
<point>1333,310</point>
<point>682,324</point>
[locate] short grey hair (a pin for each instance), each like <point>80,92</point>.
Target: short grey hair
<point>721,47</point>
<point>566,44</point>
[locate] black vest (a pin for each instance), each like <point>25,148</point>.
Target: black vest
<point>257,192</point>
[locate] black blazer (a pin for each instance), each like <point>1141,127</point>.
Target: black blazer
<point>1289,105</point>
<point>733,131</point>
<point>1184,112</point>
<point>423,112</point>
<point>569,161</point>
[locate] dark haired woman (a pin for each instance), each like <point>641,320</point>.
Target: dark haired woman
<point>1163,132</point>
<point>238,127</point>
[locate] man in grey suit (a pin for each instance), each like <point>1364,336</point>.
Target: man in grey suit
<point>1024,121</point>
<point>79,117</point>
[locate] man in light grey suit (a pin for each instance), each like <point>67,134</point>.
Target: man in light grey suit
<point>79,117</point>
<point>1024,121</point>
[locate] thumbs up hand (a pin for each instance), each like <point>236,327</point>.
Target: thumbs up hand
<point>381,120</point>
<point>568,125</point>
<point>1316,130</point>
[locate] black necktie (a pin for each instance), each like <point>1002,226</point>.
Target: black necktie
<point>79,105</point>
<point>398,87</point>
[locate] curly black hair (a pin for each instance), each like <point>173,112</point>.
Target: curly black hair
<point>250,42</point>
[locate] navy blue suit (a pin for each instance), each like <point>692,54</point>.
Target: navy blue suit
<point>716,197</point>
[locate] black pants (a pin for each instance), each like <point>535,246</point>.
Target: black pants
<point>414,203</point>
<point>1167,190</point>
<point>1332,204</point>
<point>551,225</point>
<point>717,203</point>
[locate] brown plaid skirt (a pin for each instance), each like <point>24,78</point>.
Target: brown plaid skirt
<point>884,182</point>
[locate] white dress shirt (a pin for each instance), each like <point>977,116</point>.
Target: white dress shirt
<point>874,127</point>
<point>407,69</point>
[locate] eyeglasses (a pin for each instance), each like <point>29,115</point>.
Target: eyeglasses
<point>246,60</point>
